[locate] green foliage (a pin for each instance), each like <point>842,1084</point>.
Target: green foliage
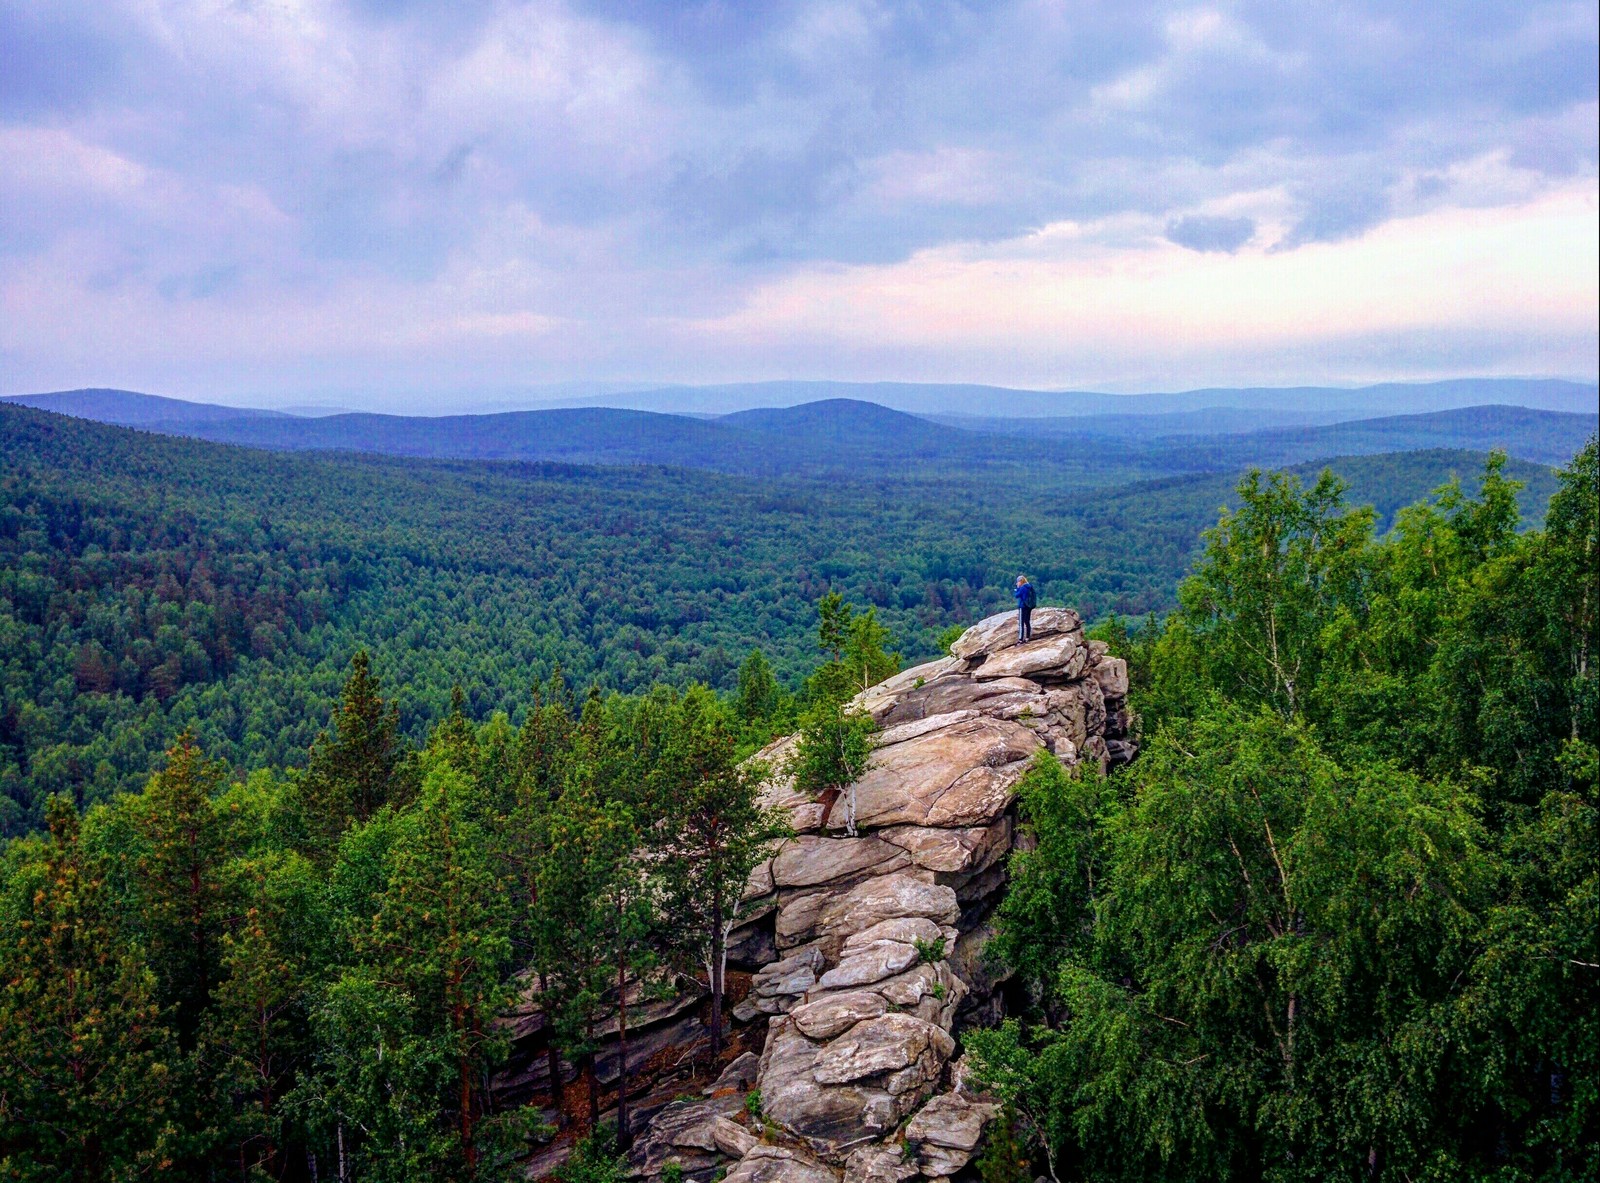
<point>832,752</point>
<point>1004,1158</point>
<point>594,1159</point>
<point>151,584</point>
<point>929,952</point>
<point>89,1072</point>
<point>855,651</point>
<point>1336,922</point>
<point>718,831</point>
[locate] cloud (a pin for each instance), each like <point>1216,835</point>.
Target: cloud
<point>1201,232</point>
<point>590,180</point>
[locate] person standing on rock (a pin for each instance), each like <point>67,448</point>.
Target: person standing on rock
<point>1026,599</point>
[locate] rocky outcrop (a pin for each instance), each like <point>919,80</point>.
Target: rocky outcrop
<point>866,947</point>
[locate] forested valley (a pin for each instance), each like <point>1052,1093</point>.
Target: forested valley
<point>151,584</point>
<point>486,728</point>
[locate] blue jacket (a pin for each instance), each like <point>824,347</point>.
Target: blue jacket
<point>1022,591</point>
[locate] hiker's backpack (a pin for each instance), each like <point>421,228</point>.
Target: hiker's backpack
<point>1029,597</point>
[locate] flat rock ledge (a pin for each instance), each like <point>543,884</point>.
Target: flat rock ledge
<point>866,948</point>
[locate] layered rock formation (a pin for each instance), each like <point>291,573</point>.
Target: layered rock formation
<point>867,949</point>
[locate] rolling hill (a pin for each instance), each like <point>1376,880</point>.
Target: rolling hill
<point>844,436</point>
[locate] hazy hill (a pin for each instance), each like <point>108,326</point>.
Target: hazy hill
<point>128,408</point>
<point>1324,403</point>
<point>1548,437</point>
<point>846,436</point>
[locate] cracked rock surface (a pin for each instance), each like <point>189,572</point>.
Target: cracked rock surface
<point>873,941</point>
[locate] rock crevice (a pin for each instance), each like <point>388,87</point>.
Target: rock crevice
<point>866,950</point>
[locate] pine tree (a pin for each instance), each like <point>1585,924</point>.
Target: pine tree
<point>256,1035</point>
<point>712,832</point>
<point>87,1061</point>
<point>757,698</point>
<point>441,935</point>
<point>355,766</point>
<point>179,875</point>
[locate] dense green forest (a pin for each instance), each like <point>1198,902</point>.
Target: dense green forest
<point>1335,923</point>
<point>1338,921</point>
<point>150,584</point>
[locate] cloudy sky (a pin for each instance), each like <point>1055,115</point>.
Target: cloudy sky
<point>386,201</point>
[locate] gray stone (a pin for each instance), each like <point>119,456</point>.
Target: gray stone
<point>795,974</point>
<point>879,1164</point>
<point>891,897</point>
<point>922,981</point>
<point>953,695</point>
<point>968,848</point>
<point>739,1076</point>
<point>833,1014</point>
<point>996,633</point>
<point>1112,674</point>
<point>798,914</point>
<point>1062,656</point>
<point>732,1138</point>
<point>831,1119</point>
<point>877,699</point>
<point>888,1043</point>
<point>682,1131</point>
<point>946,1132</point>
<point>960,775</point>
<point>904,731</point>
<point>908,930</point>
<point>809,860</point>
<point>780,1164</point>
<point>869,963</point>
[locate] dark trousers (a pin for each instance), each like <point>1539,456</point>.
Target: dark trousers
<point>1024,624</point>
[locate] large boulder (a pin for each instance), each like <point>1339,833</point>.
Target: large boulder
<point>952,695</point>
<point>864,948</point>
<point>875,699</point>
<point>809,860</point>
<point>780,1164</point>
<point>830,1119</point>
<point>868,964</point>
<point>872,1047</point>
<point>892,897</point>
<point>1061,656</point>
<point>834,1014</point>
<point>963,849</point>
<point>959,775</point>
<point>995,633</point>
<point>945,1133</point>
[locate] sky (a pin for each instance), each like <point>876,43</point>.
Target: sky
<point>413,203</point>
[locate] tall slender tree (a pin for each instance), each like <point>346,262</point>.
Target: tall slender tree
<point>88,1063</point>
<point>180,878</point>
<point>711,833</point>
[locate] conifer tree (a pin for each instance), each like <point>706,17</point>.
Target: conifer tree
<point>409,1030</point>
<point>256,1035</point>
<point>355,766</point>
<point>758,697</point>
<point>88,1064</point>
<point>180,880</point>
<point>712,832</point>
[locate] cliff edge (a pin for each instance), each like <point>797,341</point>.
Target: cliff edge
<point>866,950</point>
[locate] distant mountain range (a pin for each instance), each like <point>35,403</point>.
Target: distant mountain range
<point>1167,436</point>
<point>1281,406</point>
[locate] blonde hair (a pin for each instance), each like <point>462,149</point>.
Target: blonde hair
<point>1022,579</point>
